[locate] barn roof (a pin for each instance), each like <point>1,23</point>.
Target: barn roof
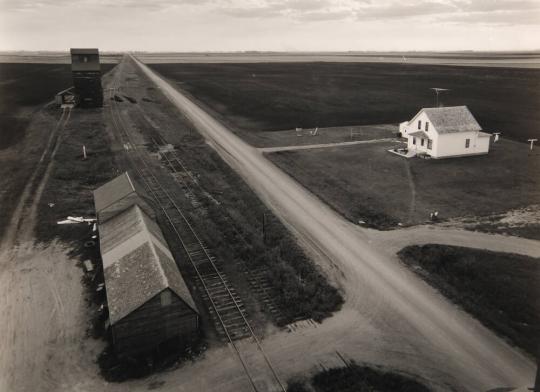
<point>84,51</point>
<point>115,190</point>
<point>137,263</point>
<point>452,119</point>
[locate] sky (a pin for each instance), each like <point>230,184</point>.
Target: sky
<point>270,25</point>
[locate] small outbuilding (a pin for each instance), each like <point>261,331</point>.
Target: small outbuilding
<point>445,132</point>
<point>119,194</point>
<point>149,304</point>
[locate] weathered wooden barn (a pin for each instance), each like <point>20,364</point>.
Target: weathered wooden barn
<point>119,194</point>
<point>149,303</point>
<point>86,72</point>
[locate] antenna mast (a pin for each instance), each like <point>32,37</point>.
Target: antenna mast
<point>437,91</point>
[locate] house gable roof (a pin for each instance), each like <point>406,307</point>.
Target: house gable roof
<point>452,119</point>
<point>137,263</point>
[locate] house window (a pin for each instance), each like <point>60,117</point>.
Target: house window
<point>166,298</point>
<point>413,140</point>
<point>467,143</point>
<point>429,144</point>
<point>422,142</point>
<point>419,124</point>
<point>427,126</point>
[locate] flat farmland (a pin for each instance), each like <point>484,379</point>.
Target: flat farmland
<point>26,122</point>
<point>257,97</point>
<point>527,59</point>
<point>24,88</point>
<point>500,289</point>
<point>367,183</point>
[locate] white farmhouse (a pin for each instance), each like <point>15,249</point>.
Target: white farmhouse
<point>445,132</point>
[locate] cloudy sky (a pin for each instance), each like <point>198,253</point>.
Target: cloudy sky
<point>279,25</point>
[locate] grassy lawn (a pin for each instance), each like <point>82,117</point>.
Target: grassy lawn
<point>291,137</point>
<point>276,96</point>
<point>365,182</point>
<point>355,378</point>
<point>499,289</point>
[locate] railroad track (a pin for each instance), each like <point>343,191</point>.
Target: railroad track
<point>258,276</point>
<point>226,307</point>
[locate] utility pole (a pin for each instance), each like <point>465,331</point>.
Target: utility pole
<point>537,379</point>
<point>264,227</point>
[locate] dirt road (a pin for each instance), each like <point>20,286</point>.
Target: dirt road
<point>394,240</point>
<point>43,321</point>
<point>415,328</point>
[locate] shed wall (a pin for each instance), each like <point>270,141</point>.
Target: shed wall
<point>152,324</point>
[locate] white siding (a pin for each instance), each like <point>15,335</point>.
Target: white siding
<point>443,145</point>
<point>403,128</point>
<point>482,144</point>
<point>412,126</point>
<point>454,144</point>
<point>418,146</point>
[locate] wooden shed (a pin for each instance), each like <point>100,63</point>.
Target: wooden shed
<point>149,302</point>
<point>119,194</point>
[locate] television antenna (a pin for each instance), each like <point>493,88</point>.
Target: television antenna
<point>438,90</point>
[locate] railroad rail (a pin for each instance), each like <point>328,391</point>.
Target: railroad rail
<point>225,305</point>
<point>257,277</point>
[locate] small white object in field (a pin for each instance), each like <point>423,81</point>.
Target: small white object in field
<point>66,222</point>
<point>88,266</point>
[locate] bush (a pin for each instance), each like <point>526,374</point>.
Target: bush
<point>356,378</point>
<point>296,386</point>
